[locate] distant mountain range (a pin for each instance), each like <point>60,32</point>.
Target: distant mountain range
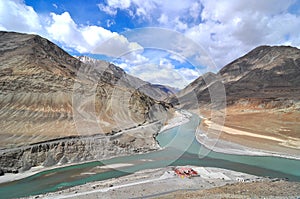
<point>155,91</point>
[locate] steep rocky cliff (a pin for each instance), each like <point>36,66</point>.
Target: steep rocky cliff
<point>46,94</point>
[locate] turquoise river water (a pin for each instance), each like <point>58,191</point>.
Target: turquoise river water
<point>179,148</point>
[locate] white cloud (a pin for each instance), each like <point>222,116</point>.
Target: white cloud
<point>163,19</point>
<point>54,5</point>
<point>63,29</point>
<point>122,4</point>
<point>233,27</point>
<point>179,25</point>
<point>177,58</point>
<point>195,10</point>
<point>93,39</point>
<point>167,13</point>
<point>16,16</point>
<point>112,5</point>
<point>227,30</point>
<point>162,73</point>
<point>189,74</point>
<point>107,9</point>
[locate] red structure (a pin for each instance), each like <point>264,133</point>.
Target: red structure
<point>185,172</point>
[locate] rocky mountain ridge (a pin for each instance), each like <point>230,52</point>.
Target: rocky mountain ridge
<point>264,74</point>
<point>253,101</point>
<point>46,94</point>
<point>155,91</point>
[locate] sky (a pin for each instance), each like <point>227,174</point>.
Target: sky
<point>224,30</point>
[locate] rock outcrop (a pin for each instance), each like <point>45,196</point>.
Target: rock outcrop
<point>78,149</point>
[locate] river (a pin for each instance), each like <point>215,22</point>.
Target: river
<point>179,148</point>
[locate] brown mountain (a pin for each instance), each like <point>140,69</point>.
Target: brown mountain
<point>264,73</point>
<point>155,91</point>
<point>262,96</point>
<point>52,106</point>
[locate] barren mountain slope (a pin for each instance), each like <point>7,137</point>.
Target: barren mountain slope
<point>262,96</point>
<point>155,91</point>
<point>46,94</point>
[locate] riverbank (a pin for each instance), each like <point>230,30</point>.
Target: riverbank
<point>180,117</point>
<point>60,179</point>
<point>246,139</point>
<point>153,182</point>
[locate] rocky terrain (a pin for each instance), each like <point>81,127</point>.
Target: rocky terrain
<point>264,189</point>
<point>266,76</point>
<point>262,99</point>
<point>56,109</point>
<point>162,182</point>
<point>155,91</point>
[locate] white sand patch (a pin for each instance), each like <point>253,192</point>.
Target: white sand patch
<point>8,177</point>
<point>232,131</point>
<point>88,173</point>
<point>180,117</point>
<point>222,146</point>
<point>114,166</point>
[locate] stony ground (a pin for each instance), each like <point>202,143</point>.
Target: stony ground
<point>263,189</point>
<point>154,183</point>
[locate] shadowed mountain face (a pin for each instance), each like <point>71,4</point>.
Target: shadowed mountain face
<point>264,74</point>
<point>41,94</point>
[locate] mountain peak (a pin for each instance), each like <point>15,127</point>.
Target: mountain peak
<point>24,48</point>
<point>266,72</point>
<point>261,58</point>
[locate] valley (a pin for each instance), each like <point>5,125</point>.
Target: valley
<point>64,120</point>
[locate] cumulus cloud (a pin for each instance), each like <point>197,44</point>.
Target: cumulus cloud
<point>163,72</point>
<point>63,29</point>
<point>92,39</point>
<point>224,29</point>
<point>168,13</point>
<point>113,5</point>
<point>16,16</point>
<point>231,28</point>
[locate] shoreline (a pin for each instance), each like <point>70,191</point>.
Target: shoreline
<point>181,117</point>
<point>234,148</point>
<point>152,182</point>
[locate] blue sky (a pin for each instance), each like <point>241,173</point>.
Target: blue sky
<point>225,30</point>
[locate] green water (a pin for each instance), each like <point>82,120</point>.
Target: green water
<point>180,148</point>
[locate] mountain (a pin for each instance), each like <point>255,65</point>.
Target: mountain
<point>266,72</point>
<point>263,74</point>
<point>262,107</point>
<point>155,91</point>
<point>53,107</point>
